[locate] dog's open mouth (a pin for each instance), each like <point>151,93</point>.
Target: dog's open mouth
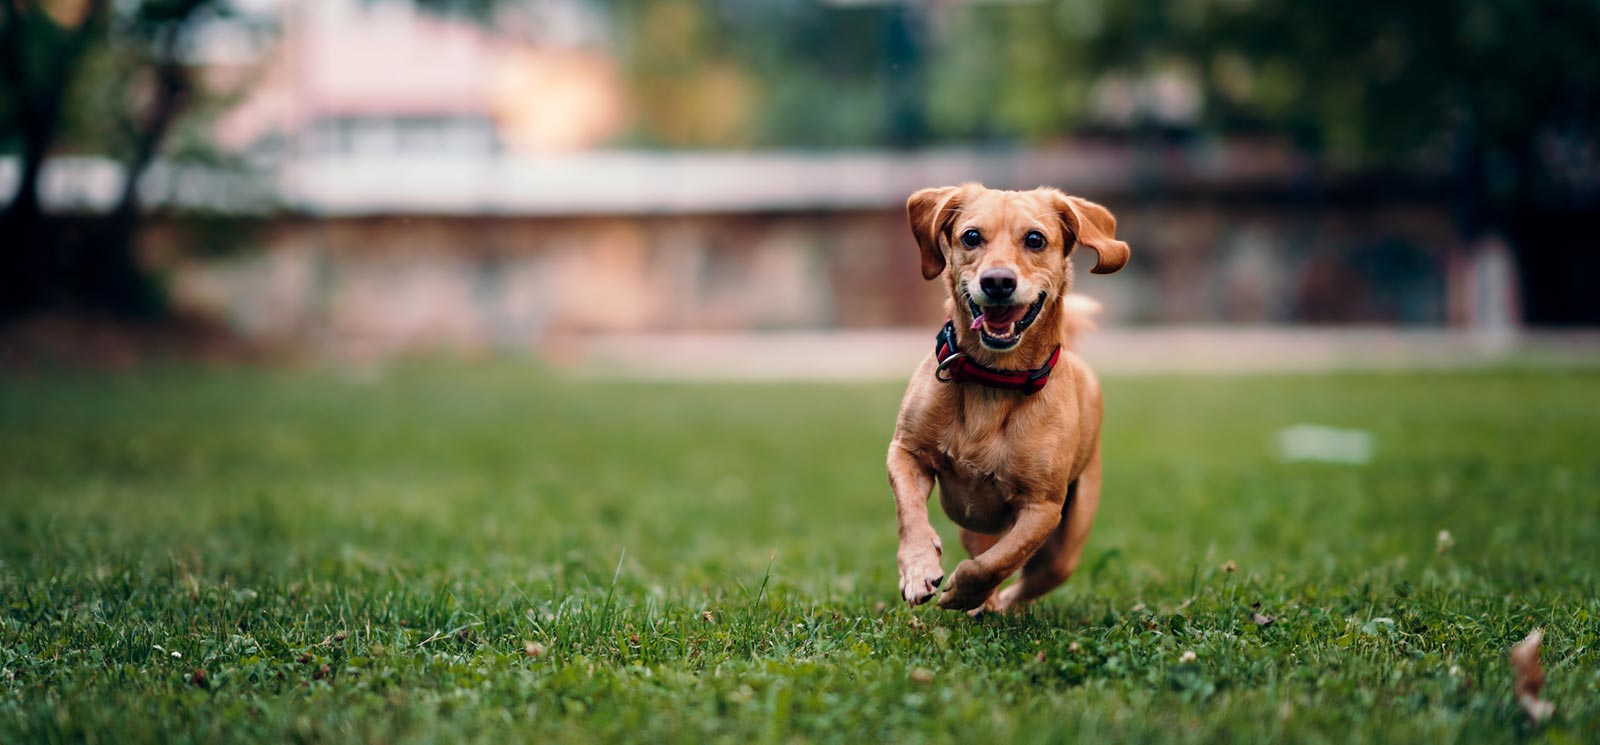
<point>1000,327</point>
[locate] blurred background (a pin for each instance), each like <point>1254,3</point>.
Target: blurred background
<point>716,188</point>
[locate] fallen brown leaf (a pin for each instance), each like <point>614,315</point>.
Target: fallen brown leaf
<point>1261,619</point>
<point>1530,677</point>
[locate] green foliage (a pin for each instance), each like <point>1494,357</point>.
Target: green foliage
<point>105,66</point>
<point>368,558</point>
<point>1358,81</point>
<point>39,57</point>
<point>1391,77</point>
<point>778,74</point>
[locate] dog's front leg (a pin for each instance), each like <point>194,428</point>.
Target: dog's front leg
<point>920,549</point>
<point>974,579</point>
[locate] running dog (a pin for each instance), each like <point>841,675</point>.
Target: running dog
<point>1003,416</point>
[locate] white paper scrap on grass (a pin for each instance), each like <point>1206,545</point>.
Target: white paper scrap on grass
<point>1316,443</point>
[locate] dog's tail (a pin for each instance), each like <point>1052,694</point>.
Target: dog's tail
<point>1077,315</point>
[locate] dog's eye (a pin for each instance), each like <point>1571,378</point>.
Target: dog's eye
<point>972,239</point>
<point>1033,240</point>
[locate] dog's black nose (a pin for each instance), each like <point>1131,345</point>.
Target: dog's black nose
<point>998,284</point>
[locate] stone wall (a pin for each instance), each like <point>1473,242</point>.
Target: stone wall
<point>388,283</point>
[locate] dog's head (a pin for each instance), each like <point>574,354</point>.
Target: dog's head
<point>1008,252</point>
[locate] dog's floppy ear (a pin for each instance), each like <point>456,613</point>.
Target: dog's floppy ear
<point>930,212</point>
<point>1095,227</point>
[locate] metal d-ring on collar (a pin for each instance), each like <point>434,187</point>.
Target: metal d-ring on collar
<point>945,363</point>
<point>947,338</point>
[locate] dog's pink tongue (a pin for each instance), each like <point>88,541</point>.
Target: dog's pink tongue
<point>999,318</point>
<point>1004,315</point>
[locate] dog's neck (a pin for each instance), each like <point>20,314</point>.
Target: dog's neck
<point>1038,342</point>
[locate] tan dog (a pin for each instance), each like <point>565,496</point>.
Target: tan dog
<point>1016,455</point>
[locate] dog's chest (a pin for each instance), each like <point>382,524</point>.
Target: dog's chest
<point>971,456</point>
<point>985,469</point>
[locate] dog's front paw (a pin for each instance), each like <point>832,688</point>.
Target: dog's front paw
<point>920,570</point>
<point>969,587</point>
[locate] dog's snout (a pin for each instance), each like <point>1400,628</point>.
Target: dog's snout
<point>998,284</point>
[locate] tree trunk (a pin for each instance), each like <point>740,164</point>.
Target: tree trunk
<point>116,278</point>
<point>30,266</point>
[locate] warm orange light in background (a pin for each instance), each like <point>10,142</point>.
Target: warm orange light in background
<point>68,13</point>
<point>550,101</point>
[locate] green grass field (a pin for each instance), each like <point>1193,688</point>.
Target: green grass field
<point>375,560</point>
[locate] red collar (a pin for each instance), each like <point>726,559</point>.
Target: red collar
<point>963,369</point>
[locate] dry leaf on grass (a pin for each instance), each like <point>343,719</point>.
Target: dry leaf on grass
<point>1530,677</point>
<point>1261,619</point>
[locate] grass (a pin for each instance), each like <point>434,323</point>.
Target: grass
<point>374,559</point>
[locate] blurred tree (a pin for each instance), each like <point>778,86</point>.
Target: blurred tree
<point>684,84</point>
<point>145,82</point>
<point>41,50</point>
<point>1503,94</point>
<point>782,73</point>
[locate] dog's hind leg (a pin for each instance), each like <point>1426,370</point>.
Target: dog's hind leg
<point>1056,560</point>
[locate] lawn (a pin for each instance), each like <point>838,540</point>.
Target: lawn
<point>454,552</point>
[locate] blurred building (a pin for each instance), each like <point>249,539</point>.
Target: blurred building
<point>358,78</point>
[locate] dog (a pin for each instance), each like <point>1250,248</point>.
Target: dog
<point>1003,416</point>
